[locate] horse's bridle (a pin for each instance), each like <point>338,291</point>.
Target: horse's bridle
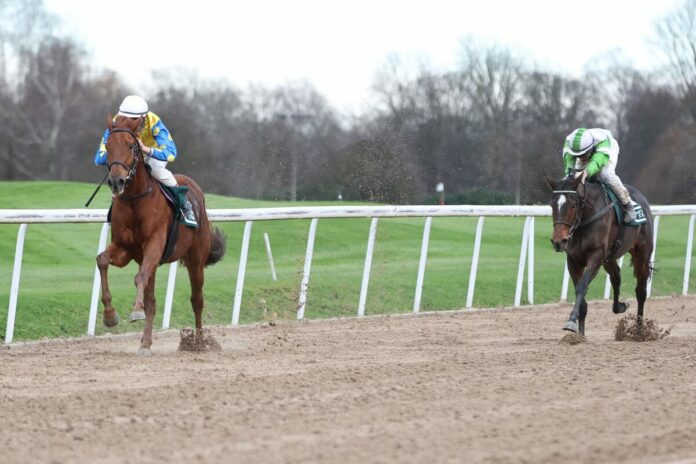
<point>578,214</point>
<point>137,155</point>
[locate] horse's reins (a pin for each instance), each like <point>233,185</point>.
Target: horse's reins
<point>578,223</point>
<point>137,155</point>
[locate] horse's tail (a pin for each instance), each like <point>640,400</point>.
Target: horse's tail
<point>218,246</point>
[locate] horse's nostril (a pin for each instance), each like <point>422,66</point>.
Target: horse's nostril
<point>121,182</point>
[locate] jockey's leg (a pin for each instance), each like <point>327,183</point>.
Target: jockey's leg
<point>161,173</point>
<point>609,177</point>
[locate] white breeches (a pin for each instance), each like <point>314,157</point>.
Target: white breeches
<point>161,173</point>
<point>608,173</point>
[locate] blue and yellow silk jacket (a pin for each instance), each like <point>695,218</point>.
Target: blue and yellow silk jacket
<point>154,134</point>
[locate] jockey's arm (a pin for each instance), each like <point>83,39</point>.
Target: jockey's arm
<point>100,158</point>
<point>597,162</point>
<point>165,149</point>
<point>599,158</point>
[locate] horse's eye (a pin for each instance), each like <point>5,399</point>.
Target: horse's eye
<point>130,146</point>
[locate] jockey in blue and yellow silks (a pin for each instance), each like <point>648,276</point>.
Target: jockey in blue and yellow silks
<point>156,143</point>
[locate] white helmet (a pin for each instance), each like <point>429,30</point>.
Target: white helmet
<point>133,106</point>
<point>579,142</point>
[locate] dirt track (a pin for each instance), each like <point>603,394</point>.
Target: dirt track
<point>487,386</point>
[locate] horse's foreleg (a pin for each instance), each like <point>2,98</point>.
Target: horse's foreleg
<point>150,310</point>
<point>151,257</point>
<point>113,254</point>
<point>614,272</point>
<point>579,311</point>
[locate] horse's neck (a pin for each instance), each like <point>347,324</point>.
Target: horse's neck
<point>140,183</point>
<point>595,197</point>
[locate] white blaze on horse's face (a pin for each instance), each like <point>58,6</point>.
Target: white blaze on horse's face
<point>561,202</point>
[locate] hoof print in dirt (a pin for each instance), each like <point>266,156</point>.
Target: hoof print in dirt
<point>573,338</point>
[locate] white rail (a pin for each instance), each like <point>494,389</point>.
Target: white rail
<point>25,217</point>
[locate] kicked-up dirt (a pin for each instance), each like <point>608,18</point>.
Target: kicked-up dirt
<point>484,386</point>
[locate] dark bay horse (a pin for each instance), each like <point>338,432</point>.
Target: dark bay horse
<point>585,227</point>
<point>140,221</point>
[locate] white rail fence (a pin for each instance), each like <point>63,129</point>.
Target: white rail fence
<point>526,260</point>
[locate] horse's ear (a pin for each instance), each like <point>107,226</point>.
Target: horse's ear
<point>110,123</point>
<point>580,187</point>
<point>551,183</point>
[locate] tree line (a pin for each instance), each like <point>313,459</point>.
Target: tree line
<point>488,130</point>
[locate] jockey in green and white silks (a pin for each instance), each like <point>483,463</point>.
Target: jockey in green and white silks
<point>594,152</point>
<point>156,143</point>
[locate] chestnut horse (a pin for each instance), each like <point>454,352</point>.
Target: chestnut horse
<point>140,220</point>
<point>586,228</point>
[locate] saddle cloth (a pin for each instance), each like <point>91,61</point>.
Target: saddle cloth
<point>618,210</point>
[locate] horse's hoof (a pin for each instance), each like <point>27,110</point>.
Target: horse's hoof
<point>137,316</point>
<point>571,326</point>
<point>144,353</point>
<point>620,308</point>
<point>112,321</point>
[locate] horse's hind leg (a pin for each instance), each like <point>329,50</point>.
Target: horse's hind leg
<point>196,277</point>
<point>642,270</point>
<point>614,272</point>
<point>113,254</point>
<point>150,304</point>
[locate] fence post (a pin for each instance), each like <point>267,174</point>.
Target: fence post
<point>368,266</point>
<point>241,273</point>
<point>687,260</point>
<point>96,285</point>
<point>169,297</point>
<point>523,257</point>
<point>566,278</point>
<point>530,262</point>
<point>14,289</point>
<point>474,263</point>
<point>656,225</point>
<point>421,264</point>
<point>307,268</point>
<point>270,256</point>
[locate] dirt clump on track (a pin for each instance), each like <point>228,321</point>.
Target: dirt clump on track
<point>188,341</point>
<point>482,386</point>
<point>628,329</point>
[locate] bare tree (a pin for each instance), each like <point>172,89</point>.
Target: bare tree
<point>677,38</point>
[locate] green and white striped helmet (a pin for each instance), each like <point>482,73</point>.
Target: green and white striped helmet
<point>579,142</point>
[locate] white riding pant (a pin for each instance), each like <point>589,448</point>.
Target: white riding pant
<point>160,172</point>
<point>608,173</point>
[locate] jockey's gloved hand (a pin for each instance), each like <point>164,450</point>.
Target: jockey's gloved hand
<point>144,148</point>
<point>582,174</point>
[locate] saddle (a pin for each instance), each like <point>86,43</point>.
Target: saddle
<point>618,210</point>
<point>619,213</point>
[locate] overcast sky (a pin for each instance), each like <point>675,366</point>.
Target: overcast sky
<point>339,46</point>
